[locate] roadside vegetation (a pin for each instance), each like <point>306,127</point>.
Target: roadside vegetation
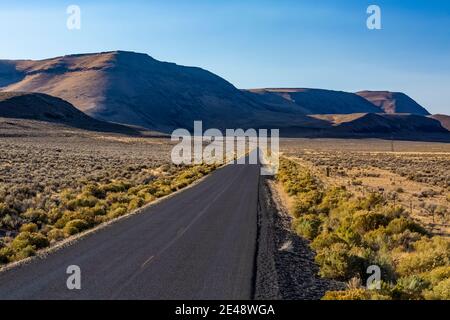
<point>53,190</point>
<point>349,233</point>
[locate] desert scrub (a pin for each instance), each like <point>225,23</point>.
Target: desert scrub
<point>51,189</point>
<point>78,209</point>
<point>350,233</point>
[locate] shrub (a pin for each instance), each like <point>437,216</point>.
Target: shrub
<point>348,235</point>
<point>332,198</point>
<point>427,255</point>
<point>405,240</point>
<point>117,212</point>
<point>355,294</point>
<point>5,255</point>
<point>24,253</point>
<point>371,201</point>
<point>30,227</point>
<point>337,262</point>
<point>25,239</point>
<point>307,226</point>
<point>117,186</point>
<point>5,210</point>
<point>400,225</point>
<point>306,202</point>
<point>75,226</point>
<point>118,197</point>
<point>441,291</point>
<point>36,215</point>
<point>325,239</point>
<point>95,190</point>
<point>411,287</point>
<point>365,221</point>
<point>56,234</point>
<point>135,203</point>
<point>437,275</point>
<point>83,200</point>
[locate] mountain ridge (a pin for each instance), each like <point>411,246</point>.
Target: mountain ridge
<point>43,107</point>
<point>138,90</point>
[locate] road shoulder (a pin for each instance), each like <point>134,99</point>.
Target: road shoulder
<point>285,267</point>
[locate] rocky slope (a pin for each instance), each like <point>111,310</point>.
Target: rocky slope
<point>393,102</point>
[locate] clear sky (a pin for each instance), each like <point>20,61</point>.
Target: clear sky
<point>255,43</point>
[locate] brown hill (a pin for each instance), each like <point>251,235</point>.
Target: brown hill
<point>443,119</point>
<point>43,107</point>
<point>393,102</point>
<point>384,124</point>
<point>320,101</point>
<point>133,88</point>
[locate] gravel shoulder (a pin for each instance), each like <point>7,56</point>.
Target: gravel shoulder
<point>285,267</point>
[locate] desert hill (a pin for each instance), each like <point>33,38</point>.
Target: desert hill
<point>320,101</point>
<point>399,126</point>
<point>43,107</point>
<point>133,88</point>
<point>443,119</point>
<point>393,102</point>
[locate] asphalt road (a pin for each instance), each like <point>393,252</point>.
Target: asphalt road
<point>199,244</point>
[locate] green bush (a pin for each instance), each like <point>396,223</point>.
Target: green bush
<point>25,238</point>
<point>56,234</point>
<point>399,225</point>
<point>325,239</point>
<point>428,254</point>
<point>75,226</point>
<point>372,200</point>
<point>437,275</point>
<point>364,221</point>
<point>95,191</point>
<point>337,262</point>
<point>24,253</point>
<point>348,235</point>
<point>410,288</point>
<point>82,200</point>
<point>332,198</point>
<point>136,202</point>
<point>307,226</point>
<point>117,212</point>
<point>441,291</point>
<point>355,294</point>
<point>306,202</point>
<point>36,215</point>
<point>30,227</point>
<point>5,255</point>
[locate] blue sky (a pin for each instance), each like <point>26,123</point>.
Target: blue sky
<point>256,43</point>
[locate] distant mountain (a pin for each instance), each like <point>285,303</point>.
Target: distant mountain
<point>443,119</point>
<point>43,107</point>
<point>397,126</point>
<point>318,101</point>
<point>133,88</point>
<point>383,124</point>
<point>393,102</point>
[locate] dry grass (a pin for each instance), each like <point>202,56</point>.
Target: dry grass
<point>58,183</point>
<point>416,177</point>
